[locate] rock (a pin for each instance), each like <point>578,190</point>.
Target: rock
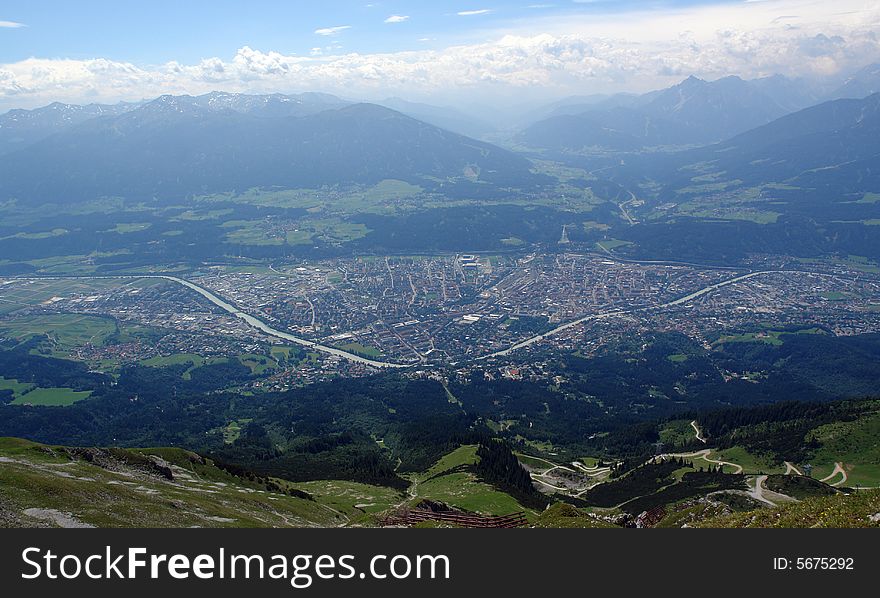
<point>162,467</point>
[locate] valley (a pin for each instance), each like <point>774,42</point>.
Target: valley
<point>655,310</point>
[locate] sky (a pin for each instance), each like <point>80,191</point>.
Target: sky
<point>440,51</point>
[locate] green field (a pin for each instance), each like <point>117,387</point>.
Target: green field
<point>463,455</point>
<point>176,359</point>
<point>591,225</point>
<point>55,232</point>
<point>612,244</point>
<point>250,232</point>
<point>310,229</point>
<point>51,397</point>
<point>750,462</point>
<point>29,394</point>
<point>756,216</point>
<point>284,354</point>
<point>130,227</point>
<point>17,388</point>
<point>462,490</point>
<point>258,364</point>
<point>65,331</point>
<point>204,214</point>
<point>233,430</point>
<point>856,262</point>
<point>335,230</point>
<point>771,337</point>
<point>444,482</point>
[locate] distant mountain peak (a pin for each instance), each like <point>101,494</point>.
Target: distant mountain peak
<point>692,80</point>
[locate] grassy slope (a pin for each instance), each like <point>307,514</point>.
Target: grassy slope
<point>856,444</point>
<point>33,476</point>
<point>127,492</point>
<point>855,510</point>
<point>352,498</point>
<point>446,482</point>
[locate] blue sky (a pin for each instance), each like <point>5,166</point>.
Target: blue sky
<point>454,52</point>
<point>187,30</point>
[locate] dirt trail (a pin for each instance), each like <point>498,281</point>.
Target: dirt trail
<point>697,432</point>
<point>758,491</point>
<point>838,470</point>
<point>789,468</point>
<point>703,454</point>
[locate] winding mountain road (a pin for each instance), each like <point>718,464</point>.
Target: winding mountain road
<point>838,470</point>
<point>790,468</point>
<point>758,491</point>
<point>697,432</point>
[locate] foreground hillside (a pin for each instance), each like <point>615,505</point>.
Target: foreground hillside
<point>46,486</point>
<point>861,509</point>
<point>43,486</point>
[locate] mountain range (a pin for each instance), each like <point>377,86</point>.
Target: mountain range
<point>694,112</point>
<point>176,146</point>
<point>769,129</point>
<point>20,128</point>
<point>831,148</point>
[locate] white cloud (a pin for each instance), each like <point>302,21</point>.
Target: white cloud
<point>332,30</point>
<point>11,25</point>
<point>471,13</point>
<point>582,57</point>
<point>397,19</point>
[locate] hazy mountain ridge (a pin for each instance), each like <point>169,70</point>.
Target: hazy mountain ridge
<point>694,112</point>
<point>177,146</point>
<point>20,128</point>
<point>862,83</point>
<point>443,117</point>
<point>831,146</point>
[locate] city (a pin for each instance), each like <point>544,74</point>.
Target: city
<point>493,313</point>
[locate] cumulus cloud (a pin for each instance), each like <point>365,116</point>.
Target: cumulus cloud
<point>397,19</point>
<point>579,59</point>
<point>332,30</point>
